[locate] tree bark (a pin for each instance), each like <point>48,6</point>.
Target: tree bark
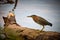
<point>16,32</point>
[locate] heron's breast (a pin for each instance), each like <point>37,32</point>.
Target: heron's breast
<point>36,19</point>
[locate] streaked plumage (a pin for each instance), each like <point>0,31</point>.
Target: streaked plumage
<point>40,21</point>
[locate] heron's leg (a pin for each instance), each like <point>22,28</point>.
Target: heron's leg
<point>42,28</point>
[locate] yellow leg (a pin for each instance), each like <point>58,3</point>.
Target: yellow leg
<point>42,28</point>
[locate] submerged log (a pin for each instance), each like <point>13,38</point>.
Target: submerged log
<point>14,31</point>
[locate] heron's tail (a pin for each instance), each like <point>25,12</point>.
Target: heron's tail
<point>50,24</point>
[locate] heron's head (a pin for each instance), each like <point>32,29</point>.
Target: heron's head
<point>32,16</point>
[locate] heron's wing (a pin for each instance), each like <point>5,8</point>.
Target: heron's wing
<point>43,21</point>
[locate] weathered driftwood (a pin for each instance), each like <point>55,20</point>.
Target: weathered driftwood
<point>14,31</point>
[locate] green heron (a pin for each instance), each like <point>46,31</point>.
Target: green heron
<point>40,21</point>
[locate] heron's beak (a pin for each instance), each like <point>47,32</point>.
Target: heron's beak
<point>29,16</point>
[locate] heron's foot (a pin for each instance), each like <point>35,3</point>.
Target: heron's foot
<point>41,30</point>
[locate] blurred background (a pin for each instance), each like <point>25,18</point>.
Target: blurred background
<point>48,9</point>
